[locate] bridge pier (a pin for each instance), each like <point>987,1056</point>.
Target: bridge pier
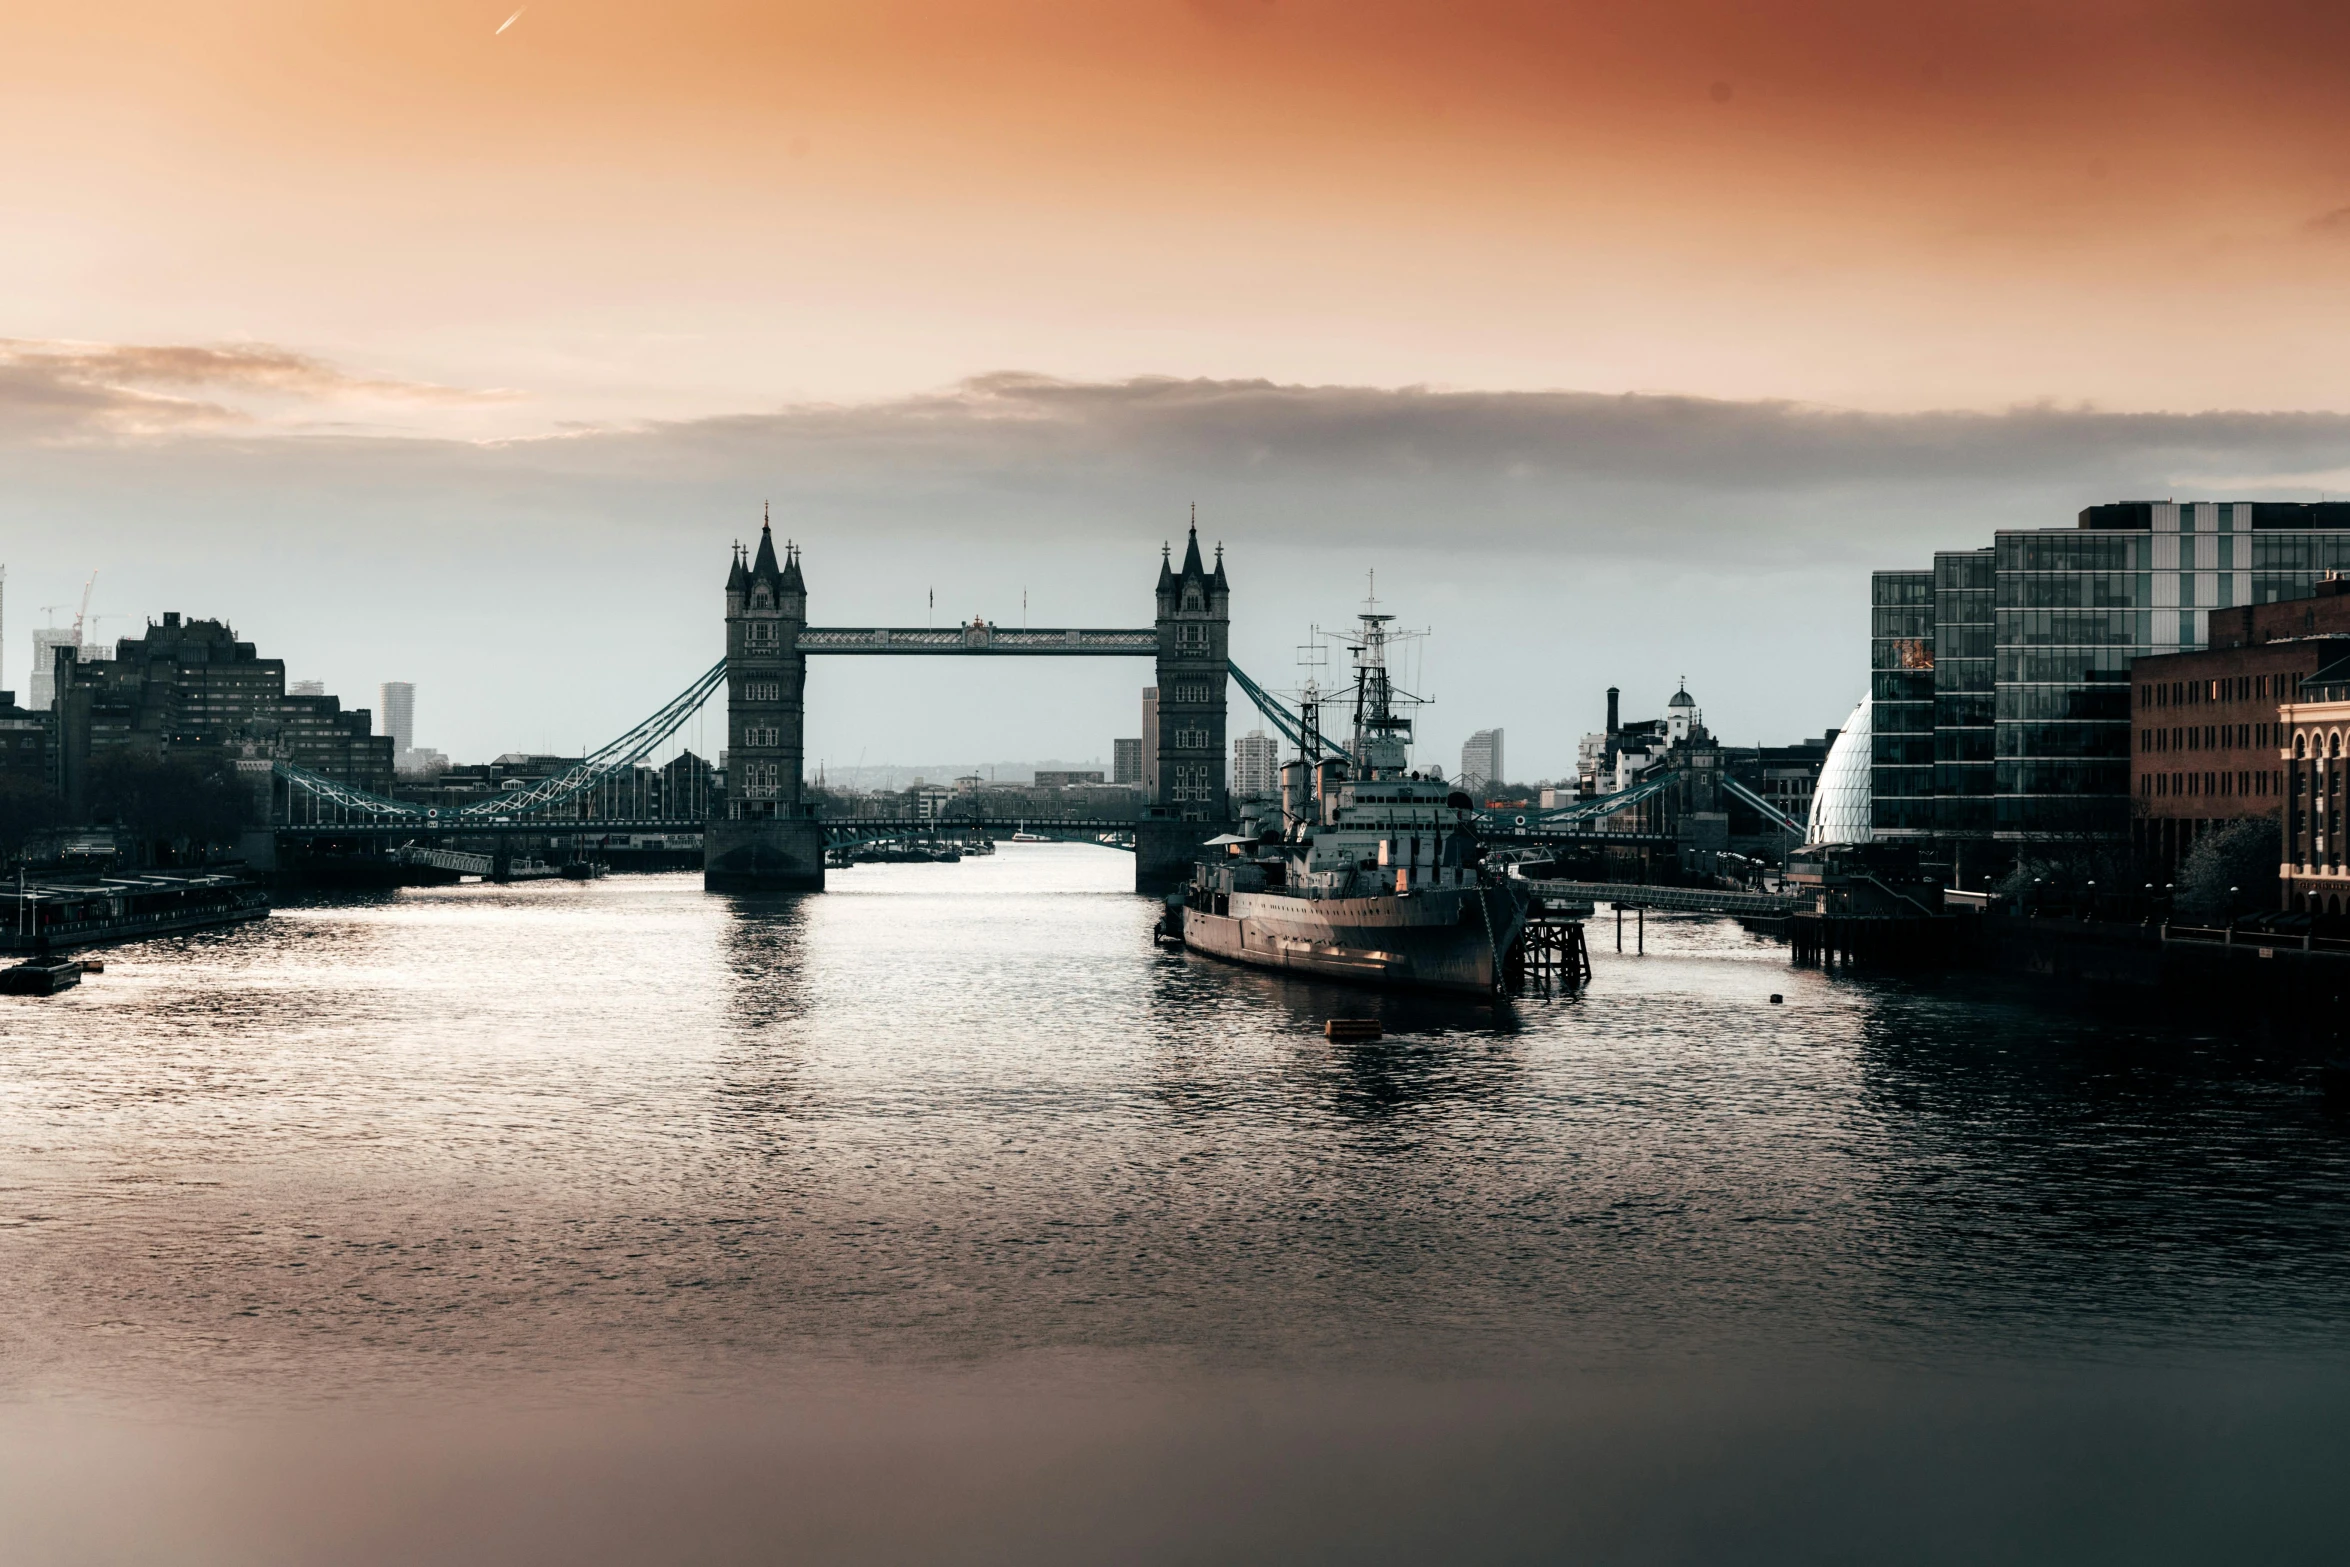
<point>1164,849</point>
<point>766,854</point>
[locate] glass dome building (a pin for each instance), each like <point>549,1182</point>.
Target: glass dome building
<point>1841,802</point>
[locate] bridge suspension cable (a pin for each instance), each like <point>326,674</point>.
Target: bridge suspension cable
<point>1770,813</point>
<point>1567,818</point>
<point>625,752</point>
<point>1277,713</point>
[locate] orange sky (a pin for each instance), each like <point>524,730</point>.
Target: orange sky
<point>619,211</point>
<point>678,231</point>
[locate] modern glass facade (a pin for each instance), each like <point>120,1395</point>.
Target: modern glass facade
<point>1965,665</point>
<point>1901,698</point>
<point>2066,627</point>
<point>1840,808</point>
<point>2001,677</point>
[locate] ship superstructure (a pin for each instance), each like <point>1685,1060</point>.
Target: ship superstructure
<point>1374,871</point>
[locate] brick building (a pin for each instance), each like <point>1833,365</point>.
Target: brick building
<point>2314,737</point>
<point>190,686</point>
<point>2209,742</point>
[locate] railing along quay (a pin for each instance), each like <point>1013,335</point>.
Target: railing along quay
<point>2264,943</point>
<point>1669,900</point>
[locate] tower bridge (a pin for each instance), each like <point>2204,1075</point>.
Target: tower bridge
<point>767,836</point>
<point>765,833</point>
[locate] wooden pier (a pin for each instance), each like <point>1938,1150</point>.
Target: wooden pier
<point>1549,957</point>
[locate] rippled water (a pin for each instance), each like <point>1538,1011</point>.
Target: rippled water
<point>628,1136</point>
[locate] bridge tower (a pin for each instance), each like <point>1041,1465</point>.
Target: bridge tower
<point>763,836</point>
<point>1194,623</point>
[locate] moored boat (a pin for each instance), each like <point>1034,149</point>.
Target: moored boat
<point>1374,874</point>
<point>55,915</point>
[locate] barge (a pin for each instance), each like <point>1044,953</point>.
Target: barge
<point>40,917</point>
<point>40,977</point>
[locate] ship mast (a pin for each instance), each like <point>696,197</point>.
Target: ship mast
<point>1382,737</point>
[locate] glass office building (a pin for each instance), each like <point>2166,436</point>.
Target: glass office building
<point>2013,663</point>
<point>1965,666</point>
<point>1901,699</point>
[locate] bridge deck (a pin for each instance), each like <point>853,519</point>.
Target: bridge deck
<point>460,827</point>
<point>1065,642</point>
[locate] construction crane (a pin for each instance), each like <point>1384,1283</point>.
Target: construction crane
<point>80,614</point>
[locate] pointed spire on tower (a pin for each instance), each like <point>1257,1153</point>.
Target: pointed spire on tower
<point>1217,580</point>
<point>1191,561</point>
<point>764,564</point>
<point>793,582</point>
<point>736,577</point>
<point>1166,571</point>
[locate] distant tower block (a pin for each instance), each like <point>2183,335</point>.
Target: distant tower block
<point>1256,766</point>
<point>396,707</point>
<point>1481,762</point>
<point>763,836</point>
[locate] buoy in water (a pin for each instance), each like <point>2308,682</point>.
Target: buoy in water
<point>1776,998</point>
<point>1351,1028</point>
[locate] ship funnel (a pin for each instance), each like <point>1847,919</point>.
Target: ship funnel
<point>1329,778</point>
<point>1293,794</point>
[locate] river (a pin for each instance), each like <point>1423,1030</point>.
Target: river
<point>944,1217</point>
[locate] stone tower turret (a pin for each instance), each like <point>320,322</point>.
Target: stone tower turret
<point>1194,623</point>
<point>1189,800</point>
<point>764,836</point>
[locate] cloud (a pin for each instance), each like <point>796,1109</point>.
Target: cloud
<point>51,389</point>
<point>1030,455</point>
<point>1379,435</point>
<point>1560,541</point>
<point>1633,474</point>
<point>2331,225</point>
<point>1020,444</point>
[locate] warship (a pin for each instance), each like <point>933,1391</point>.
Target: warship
<point>1374,873</point>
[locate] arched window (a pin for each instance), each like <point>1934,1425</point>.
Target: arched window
<point>2300,745</point>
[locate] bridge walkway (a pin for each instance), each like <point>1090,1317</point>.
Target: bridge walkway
<point>1668,900</point>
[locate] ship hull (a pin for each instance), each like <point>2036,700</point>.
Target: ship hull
<point>1411,941</point>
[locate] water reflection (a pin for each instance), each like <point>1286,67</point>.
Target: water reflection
<point>971,1111</point>
<point>763,941</point>
<point>2038,1156</point>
